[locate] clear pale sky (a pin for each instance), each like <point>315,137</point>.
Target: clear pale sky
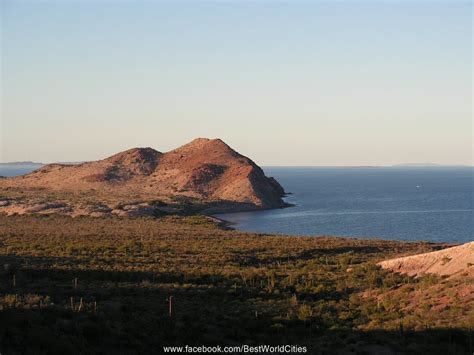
<point>309,83</point>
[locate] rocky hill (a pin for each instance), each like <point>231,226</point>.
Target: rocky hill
<point>458,260</point>
<point>205,172</point>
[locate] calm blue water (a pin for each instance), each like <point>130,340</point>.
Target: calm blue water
<point>432,204</point>
<point>14,170</point>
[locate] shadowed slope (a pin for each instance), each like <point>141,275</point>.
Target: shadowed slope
<point>120,167</point>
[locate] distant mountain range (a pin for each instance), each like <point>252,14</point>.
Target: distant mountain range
<point>22,163</point>
<point>417,164</point>
<point>425,165</point>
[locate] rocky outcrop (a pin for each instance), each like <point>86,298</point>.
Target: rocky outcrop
<point>451,261</point>
<point>205,171</point>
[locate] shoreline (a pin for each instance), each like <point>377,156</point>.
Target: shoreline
<point>221,223</point>
<point>230,226</point>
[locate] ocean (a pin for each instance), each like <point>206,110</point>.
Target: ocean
<point>410,204</point>
<point>431,204</point>
<point>15,169</point>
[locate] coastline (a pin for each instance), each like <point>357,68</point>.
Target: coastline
<point>228,225</point>
<point>221,223</point>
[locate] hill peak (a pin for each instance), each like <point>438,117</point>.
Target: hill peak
<point>200,143</point>
<point>204,170</point>
<point>145,154</point>
<point>205,140</point>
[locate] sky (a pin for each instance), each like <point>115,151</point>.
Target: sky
<point>286,83</point>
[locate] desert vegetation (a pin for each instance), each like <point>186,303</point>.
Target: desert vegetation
<point>132,285</point>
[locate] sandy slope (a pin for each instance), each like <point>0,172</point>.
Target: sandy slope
<point>451,261</point>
